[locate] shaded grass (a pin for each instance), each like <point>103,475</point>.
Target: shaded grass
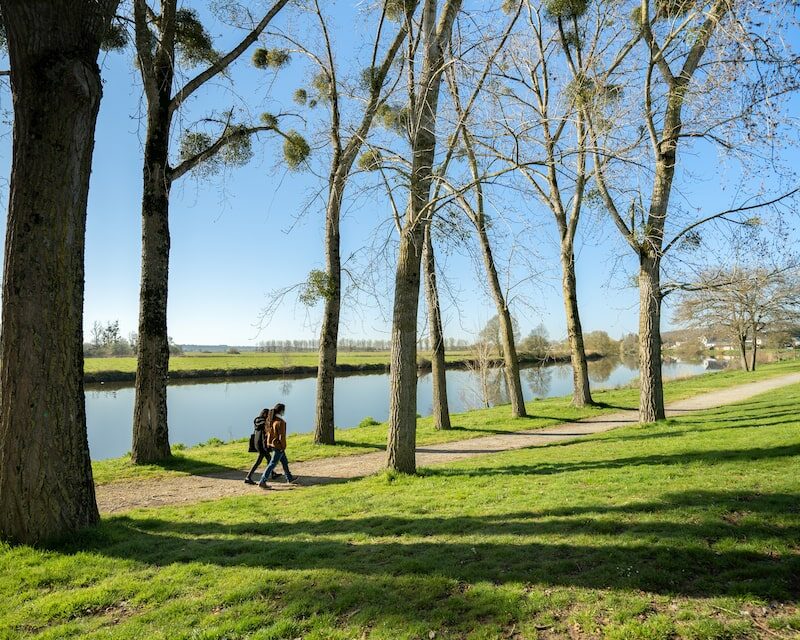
<point>685,529</point>
<point>472,424</point>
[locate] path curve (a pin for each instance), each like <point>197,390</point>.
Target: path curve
<point>118,497</point>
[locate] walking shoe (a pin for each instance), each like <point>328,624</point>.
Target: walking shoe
<point>262,485</point>
<point>275,475</point>
<point>291,479</point>
<point>249,481</point>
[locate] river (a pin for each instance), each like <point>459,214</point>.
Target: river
<point>225,408</point>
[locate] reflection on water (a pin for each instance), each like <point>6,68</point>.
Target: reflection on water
<point>539,380</point>
<point>225,408</point>
<point>600,370</point>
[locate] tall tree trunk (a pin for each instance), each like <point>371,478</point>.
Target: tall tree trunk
<point>402,439</point>
<point>651,389</point>
<point>329,334</point>
<point>510,358</point>
<point>46,487</point>
<point>403,377</point>
<point>755,350</point>
<point>441,411</point>
<point>581,392</point>
<point>150,430</point>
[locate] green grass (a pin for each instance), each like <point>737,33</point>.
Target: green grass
<point>248,360</point>
<point>686,529</point>
<point>473,424</point>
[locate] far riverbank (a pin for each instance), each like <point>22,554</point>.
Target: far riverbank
<point>269,365</point>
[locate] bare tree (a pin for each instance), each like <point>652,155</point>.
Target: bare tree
<point>329,88</point>
<point>480,366</point>
<point>160,37</point>
<point>703,71</point>
<point>743,303</point>
<point>476,214</point>
<point>441,408</point>
<point>543,133</point>
<point>46,487</point>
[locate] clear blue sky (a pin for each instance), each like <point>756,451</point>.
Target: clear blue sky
<point>258,228</point>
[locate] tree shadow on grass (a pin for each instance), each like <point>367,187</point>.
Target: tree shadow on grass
<point>725,548</point>
<point>708,458</point>
<point>354,444</point>
<point>675,430</point>
<point>196,467</point>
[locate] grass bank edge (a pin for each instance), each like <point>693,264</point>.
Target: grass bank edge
<point>216,456</point>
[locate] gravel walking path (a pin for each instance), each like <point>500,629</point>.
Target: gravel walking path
<point>123,496</point>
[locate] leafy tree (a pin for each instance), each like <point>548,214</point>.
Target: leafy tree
<point>629,344</point>
<point>537,342</point>
<point>600,342</point>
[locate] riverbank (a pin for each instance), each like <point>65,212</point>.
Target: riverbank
<point>217,456</point>
<point>685,529</point>
<point>200,366</point>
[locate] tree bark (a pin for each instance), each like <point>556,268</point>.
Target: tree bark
<point>755,350</point>
<point>651,390</point>
<point>150,427</point>
<point>329,334</point>
<point>46,487</point>
<point>581,392</point>
<point>441,411</point>
<point>403,379</point>
<point>743,352</point>
<point>510,358</point>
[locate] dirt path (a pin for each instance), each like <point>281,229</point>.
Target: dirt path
<point>123,496</point>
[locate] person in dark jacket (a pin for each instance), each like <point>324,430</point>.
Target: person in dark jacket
<point>264,451</point>
<point>275,438</point>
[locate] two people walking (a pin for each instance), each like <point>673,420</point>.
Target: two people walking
<point>270,440</point>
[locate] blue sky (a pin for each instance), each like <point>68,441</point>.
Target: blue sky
<point>237,237</point>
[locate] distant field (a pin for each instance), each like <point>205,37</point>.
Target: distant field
<point>250,360</point>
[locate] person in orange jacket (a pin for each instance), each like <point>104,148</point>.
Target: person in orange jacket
<point>275,438</point>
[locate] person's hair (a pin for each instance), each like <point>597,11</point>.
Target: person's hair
<point>278,408</point>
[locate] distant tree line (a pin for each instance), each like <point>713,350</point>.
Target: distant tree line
<point>107,341</point>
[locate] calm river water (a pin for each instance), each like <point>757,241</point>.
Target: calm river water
<point>225,409</point>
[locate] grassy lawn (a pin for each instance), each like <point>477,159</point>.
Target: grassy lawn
<point>248,360</point>
<point>542,413</point>
<point>688,529</point>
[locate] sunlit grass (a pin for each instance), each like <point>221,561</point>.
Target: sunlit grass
<point>686,529</point>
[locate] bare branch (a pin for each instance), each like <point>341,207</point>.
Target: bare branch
<point>224,62</point>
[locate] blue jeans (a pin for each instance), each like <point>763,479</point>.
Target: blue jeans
<point>277,456</point>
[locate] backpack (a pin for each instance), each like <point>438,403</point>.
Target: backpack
<point>260,421</point>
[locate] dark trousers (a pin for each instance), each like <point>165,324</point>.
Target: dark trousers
<point>263,454</point>
<point>277,456</point>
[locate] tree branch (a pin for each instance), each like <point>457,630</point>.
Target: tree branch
<point>722,214</point>
<point>229,133</point>
<point>220,65</point>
